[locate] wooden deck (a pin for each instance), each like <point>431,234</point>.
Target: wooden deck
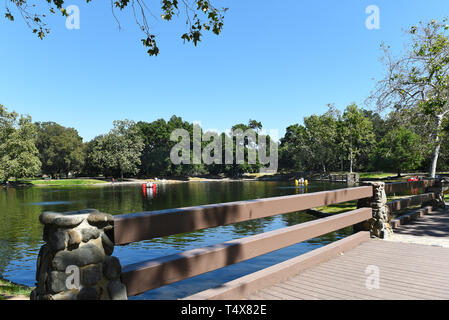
<point>406,271</point>
<point>413,264</point>
<point>344,269</point>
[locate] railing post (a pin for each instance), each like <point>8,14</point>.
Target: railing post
<point>438,202</point>
<point>379,224</point>
<point>75,263</point>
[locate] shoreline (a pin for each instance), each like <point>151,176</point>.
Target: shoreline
<point>101,182</point>
<point>10,290</point>
<point>135,181</point>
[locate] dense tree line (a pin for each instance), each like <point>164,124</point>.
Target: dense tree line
<point>355,140</point>
<point>139,149</point>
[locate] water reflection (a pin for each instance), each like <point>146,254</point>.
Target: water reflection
<point>49,203</point>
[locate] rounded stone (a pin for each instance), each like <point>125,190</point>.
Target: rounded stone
<point>112,268</point>
<point>117,290</point>
<point>48,217</point>
<point>48,230</point>
<point>89,233</point>
<point>100,218</point>
<point>91,274</point>
<point>108,245</point>
<point>74,237</point>
<point>88,293</point>
<point>66,219</point>
<point>82,256</point>
<point>64,295</point>
<point>69,220</point>
<point>57,281</point>
<point>58,240</point>
<point>34,295</point>
<point>43,262</point>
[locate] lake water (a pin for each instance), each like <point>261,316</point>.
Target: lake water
<point>21,232</point>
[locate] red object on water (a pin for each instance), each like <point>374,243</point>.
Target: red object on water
<point>413,179</point>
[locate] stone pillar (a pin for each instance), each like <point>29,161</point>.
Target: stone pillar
<point>379,224</point>
<point>75,263</point>
<point>438,202</point>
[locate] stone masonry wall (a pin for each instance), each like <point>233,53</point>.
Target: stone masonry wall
<point>438,189</point>
<point>379,224</point>
<point>76,261</point>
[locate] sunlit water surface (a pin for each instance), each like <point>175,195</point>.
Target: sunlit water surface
<point>21,232</point>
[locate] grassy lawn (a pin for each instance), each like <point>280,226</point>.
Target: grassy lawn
<point>339,207</point>
<point>376,175</point>
<point>64,182</point>
<point>352,205</point>
<point>8,290</point>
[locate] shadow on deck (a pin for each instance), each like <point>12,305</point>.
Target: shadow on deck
<point>371,269</point>
<point>375,270</point>
<point>435,224</point>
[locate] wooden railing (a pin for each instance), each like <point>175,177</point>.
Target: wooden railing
<point>397,187</point>
<point>150,274</point>
<point>146,275</point>
<point>414,186</point>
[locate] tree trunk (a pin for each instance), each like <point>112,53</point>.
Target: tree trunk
<point>435,154</point>
<point>436,147</point>
<point>350,161</point>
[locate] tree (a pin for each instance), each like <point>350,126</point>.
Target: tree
<point>254,124</point>
<point>399,150</point>
<point>200,16</point>
<point>119,151</point>
<point>244,138</point>
<point>312,146</point>
<point>443,158</point>
<point>380,125</point>
<point>60,148</point>
<point>18,154</point>
<point>322,134</point>
<point>355,134</point>
<point>292,148</point>
<point>418,82</point>
<point>156,153</point>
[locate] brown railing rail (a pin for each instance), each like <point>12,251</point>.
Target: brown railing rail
<point>150,274</point>
<point>408,201</point>
<point>146,275</point>
<point>148,225</point>
<point>397,187</point>
<point>400,204</point>
<point>86,239</point>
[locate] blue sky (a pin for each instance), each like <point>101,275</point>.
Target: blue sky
<point>276,62</point>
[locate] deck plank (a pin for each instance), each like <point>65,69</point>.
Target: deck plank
<point>406,271</point>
